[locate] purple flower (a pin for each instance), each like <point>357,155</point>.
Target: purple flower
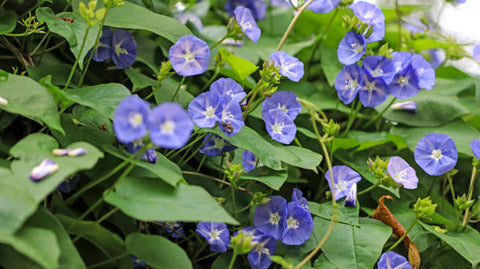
<point>409,106</point>
<point>129,121</point>
<point>351,48</point>
<point>77,152</point>
<point>461,1</point>
<point>348,82</point>
<point>280,3</point>
<point>69,184</point>
<point>343,177</point>
<point>425,72</point>
<point>250,161</point>
<point>137,262</point>
<point>231,120</point>
<point>214,145</point>
<point>259,256</point>
<point>189,56</point>
<point>282,100</point>
<point>270,217</point>
<point>436,154</point>
<point>175,229</point>
<point>372,15</point>
<point>170,126</point>
<point>258,8</point>
<point>61,152</point>
<point>124,49</point>
<point>228,86</point>
<point>297,196</point>
<point>405,84</point>
<point>476,52</point>
<point>290,67</point>
<point>393,260</point>
<point>216,234</point>
<point>475,146</point>
<point>104,48</point>
<point>323,6</point>
<point>280,126</point>
<point>351,200</point>
<point>402,172</point>
<point>185,17</point>
<point>379,67</point>
<point>373,91</point>
<point>247,23</point>
<point>135,146</point>
<point>205,109</point>
<point>401,60</point>
<point>298,225</point>
<point>43,170</point>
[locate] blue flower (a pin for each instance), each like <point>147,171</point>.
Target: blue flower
<point>425,72</point>
<point>216,234</point>
<point>258,8</point>
<point>405,84</point>
<point>280,126</point>
<point>393,260</point>
<point>247,23</point>
<point>175,229</point>
<point>297,196</point>
<point>436,154</point>
<point>476,52</point>
<point>129,121</point>
<point>461,1</point>
<point>372,15</point>
<point>124,49</point>
<point>347,82</point>
<point>270,217</point>
<point>343,177</point>
<point>379,67</point>
<point>231,120</point>
<point>205,109</point>
<point>401,60</point>
<point>135,146</point>
<point>323,6</point>
<point>215,145</point>
<point>228,86</point>
<point>259,256</point>
<point>104,48</point>
<point>290,67</point>
<point>282,100</point>
<point>409,106</point>
<point>185,17</point>
<point>475,146</point>
<point>402,172</point>
<point>298,225</point>
<point>351,48</point>
<point>137,262</point>
<point>69,184</point>
<point>170,126</point>
<point>189,56</point>
<point>373,91</point>
<point>351,199</point>
<point>250,161</point>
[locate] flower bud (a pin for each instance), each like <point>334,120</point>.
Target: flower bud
<point>44,169</point>
<point>3,101</point>
<point>424,207</point>
<point>60,152</point>
<point>77,152</point>
<point>241,243</point>
<point>462,203</point>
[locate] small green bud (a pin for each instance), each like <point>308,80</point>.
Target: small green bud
<point>220,200</point>
<point>462,203</point>
<point>164,71</point>
<point>331,128</point>
<point>476,163</point>
<point>242,243</point>
<point>233,171</point>
<point>424,207</point>
<point>385,51</point>
<point>259,198</point>
<point>440,230</point>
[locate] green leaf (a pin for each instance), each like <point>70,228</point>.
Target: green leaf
<point>167,90</point>
<point>461,133</point>
<point>8,21</point>
<point>45,68</point>
<point>28,98</point>
<point>465,243</point>
<point>330,64</point>
<point>243,68</point>
<point>58,26</point>
<point>128,17</point>
<point>69,257</point>
<point>38,244</point>
<point>346,215</point>
<point>272,178</point>
<point>269,154</point>
<point>163,168</point>
<point>139,80</point>
<point>351,246</point>
<point>157,251</point>
<point>33,149</point>
<point>103,97</point>
<point>109,243</point>
<point>57,94</point>
<point>10,258</point>
<point>148,199</point>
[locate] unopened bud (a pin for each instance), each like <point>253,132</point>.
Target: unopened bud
<point>44,169</point>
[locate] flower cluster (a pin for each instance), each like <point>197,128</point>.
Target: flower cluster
<point>279,111</point>
<point>168,125</point>
<point>345,181</point>
<point>119,45</point>
<point>221,104</point>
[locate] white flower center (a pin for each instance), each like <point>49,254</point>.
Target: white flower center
<point>274,218</point>
<point>260,248</point>
<point>378,72</point>
<point>278,127</point>
<point>350,84</point>
<point>189,56</point>
<point>403,81</point>
<point>215,234</point>
<point>209,112</point>
<point>135,119</point>
<point>369,14</point>
<point>226,116</point>
<point>168,127</point>
<point>401,176</point>
<point>246,25</point>
<point>370,86</point>
<point>341,185</point>
<point>357,48</point>
<point>292,223</point>
<point>119,50</point>
<point>436,154</point>
<point>283,108</point>
<point>219,143</point>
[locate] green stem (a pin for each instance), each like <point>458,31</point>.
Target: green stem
<point>204,257</point>
<point>215,179</point>
<point>319,39</point>
<point>232,260</point>
<point>353,114</point>
<point>102,263</point>
<point>178,88</point>
<point>234,202</point>
<point>450,184</point>
<point>40,43</point>
<point>218,42</point>
<point>369,188</point>
<point>381,113</point>
<point>106,216</point>
<point>217,71</point>
<point>297,142</point>
<point>404,235</point>
<point>74,67</point>
<point>292,23</point>
<point>470,193</point>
